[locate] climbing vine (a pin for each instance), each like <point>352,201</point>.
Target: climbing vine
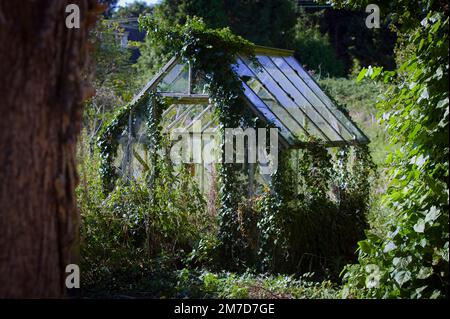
<point>313,212</point>
<point>275,216</point>
<point>150,107</point>
<point>213,52</point>
<point>412,259</point>
<point>108,143</point>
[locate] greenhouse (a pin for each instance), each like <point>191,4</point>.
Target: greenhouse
<point>276,89</point>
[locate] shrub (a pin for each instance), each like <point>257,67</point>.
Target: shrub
<point>124,236</point>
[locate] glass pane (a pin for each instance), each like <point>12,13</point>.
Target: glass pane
<point>303,98</point>
<point>281,103</point>
<point>303,86</point>
<point>176,81</point>
<point>189,117</point>
<point>132,158</point>
<point>185,115</point>
<point>314,87</point>
<point>267,113</point>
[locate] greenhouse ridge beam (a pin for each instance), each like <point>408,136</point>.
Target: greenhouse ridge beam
<point>315,94</point>
<point>263,50</point>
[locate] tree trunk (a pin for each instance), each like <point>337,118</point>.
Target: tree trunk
<point>41,90</point>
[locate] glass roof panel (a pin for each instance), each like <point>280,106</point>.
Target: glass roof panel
<point>267,113</point>
<point>304,98</point>
<point>186,115</point>
<point>284,103</point>
<point>314,88</point>
<point>277,88</point>
<point>292,124</point>
<point>199,85</point>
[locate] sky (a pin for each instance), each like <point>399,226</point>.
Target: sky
<point>124,2</point>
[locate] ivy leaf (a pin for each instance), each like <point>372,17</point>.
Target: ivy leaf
<point>402,277</point>
<point>444,252</point>
<point>389,246</point>
<point>364,246</point>
<point>376,72</point>
<point>442,103</point>
<point>419,160</point>
<point>418,292</point>
<point>402,263</point>
<point>361,75</point>
<point>435,294</point>
<point>424,95</point>
<point>425,272</point>
<point>419,227</point>
<point>432,214</point>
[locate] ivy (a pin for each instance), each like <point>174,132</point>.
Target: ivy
<point>313,212</point>
<point>213,52</point>
<point>411,261</point>
<point>108,143</point>
<point>150,106</point>
<point>274,220</point>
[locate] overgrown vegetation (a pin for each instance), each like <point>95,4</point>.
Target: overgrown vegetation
<point>412,260</point>
<point>262,233</point>
<point>157,236</point>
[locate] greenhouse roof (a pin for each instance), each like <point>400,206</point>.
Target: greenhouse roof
<point>276,88</point>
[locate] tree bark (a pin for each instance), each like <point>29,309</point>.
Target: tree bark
<point>41,89</point>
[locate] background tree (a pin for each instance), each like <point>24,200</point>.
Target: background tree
<point>41,89</point>
<point>313,48</point>
<point>262,22</point>
<point>133,10</point>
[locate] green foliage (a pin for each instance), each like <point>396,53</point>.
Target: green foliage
<point>360,101</point>
<point>213,52</point>
<point>283,209</point>
<point>265,23</point>
<point>108,142</point>
<point>291,216</point>
<point>313,48</point>
<point>110,71</point>
<point>133,10</point>
<point>150,107</point>
<point>412,260</point>
<point>125,235</point>
<point>110,7</point>
<point>205,284</point>
<point>316,209</point>
<point>112,66</point>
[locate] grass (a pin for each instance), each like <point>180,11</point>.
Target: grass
<point>186,283</point>
<point>360,100</point>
